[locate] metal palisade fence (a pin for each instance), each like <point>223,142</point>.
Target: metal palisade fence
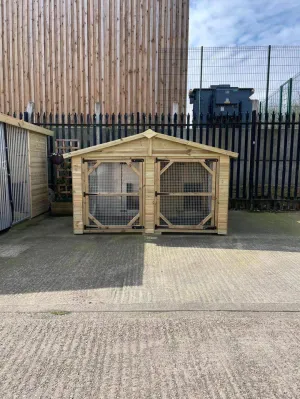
<point>265,175</point>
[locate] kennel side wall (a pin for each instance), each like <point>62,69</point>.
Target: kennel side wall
<point>38,173</point>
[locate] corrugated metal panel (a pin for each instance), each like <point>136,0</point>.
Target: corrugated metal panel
<point>17,140</point>
<point>68,55</point>
<point>5,208</point>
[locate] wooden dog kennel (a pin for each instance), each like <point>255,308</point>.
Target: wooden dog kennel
<point>150,182</point>
<point>23,171</point>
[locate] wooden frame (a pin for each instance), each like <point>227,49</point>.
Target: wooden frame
<point>152,147</point>
<point>87,216</point>
<point>212,194</point>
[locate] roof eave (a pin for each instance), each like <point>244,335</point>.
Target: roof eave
<point>149,134</point>
<point>24,125</point>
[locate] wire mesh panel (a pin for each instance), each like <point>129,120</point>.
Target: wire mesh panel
<point>186,194</point>
<point>5,207</point>
<point>113,194</point>
<point>262,68</point>
<point>17,142</point>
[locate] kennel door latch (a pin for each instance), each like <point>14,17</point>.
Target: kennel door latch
<point>137,160</point>
<point>85,194</point>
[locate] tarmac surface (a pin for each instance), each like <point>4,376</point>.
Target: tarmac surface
<point>171,316</point>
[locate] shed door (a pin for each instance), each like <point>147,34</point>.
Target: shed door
<point>113,194</point>
<point>186,196</point>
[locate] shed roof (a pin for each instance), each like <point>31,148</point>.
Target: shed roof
<point>150,134</point>
<point>24,125</point>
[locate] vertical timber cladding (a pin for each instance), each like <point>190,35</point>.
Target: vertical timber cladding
<point>68,55</point>
<point>78,186</point>
<point>151,182</point>
<point>38,171</point>
<point>223,194</point>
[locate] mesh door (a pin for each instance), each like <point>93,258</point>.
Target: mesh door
<point>186,191</point>
<point>5,206</point>
<point>113,194</point>
<point>17,143</point>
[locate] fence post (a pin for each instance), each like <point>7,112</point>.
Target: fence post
<point>97,120</point>
<point>280,99</point>
<point>201,74</point>
<point>29,113</point>
<point>252,160</point>
<point>268,80</point>
<point>290,90</point>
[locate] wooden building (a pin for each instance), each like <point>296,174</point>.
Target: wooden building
<point>75,55</point>
<point>23,171</point>
<point>150,182</point>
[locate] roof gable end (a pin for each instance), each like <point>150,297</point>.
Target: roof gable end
<point>151,134</point>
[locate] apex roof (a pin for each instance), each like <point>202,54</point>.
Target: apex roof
<point>149,134</point>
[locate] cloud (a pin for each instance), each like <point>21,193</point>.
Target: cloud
<point>244,22</point>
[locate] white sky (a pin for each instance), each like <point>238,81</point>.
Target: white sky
<point>244,22</point>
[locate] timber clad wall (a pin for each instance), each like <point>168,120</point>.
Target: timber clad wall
<point>67,55</point>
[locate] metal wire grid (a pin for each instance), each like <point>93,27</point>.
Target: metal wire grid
<point>185,177</point>
<point>114,178</point>
<point>5,208</point>
<point>242,66</point>
<point>286,99</point>
<point>17,142</point>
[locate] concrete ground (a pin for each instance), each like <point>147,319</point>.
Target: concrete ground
<point>172,316</point>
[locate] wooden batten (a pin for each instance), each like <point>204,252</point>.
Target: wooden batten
<point>149,194</point>
<point>78,184</point>
<point>150,149</point>
<point>223,192</point>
